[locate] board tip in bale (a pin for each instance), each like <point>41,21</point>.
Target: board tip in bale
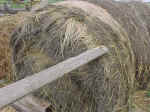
<point>57,32</point>
<point>134,17</point>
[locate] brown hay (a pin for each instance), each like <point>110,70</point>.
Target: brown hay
<point>141,102</point>
<point>8,109</point>
<point>56,32</point>
<point>7,25</point>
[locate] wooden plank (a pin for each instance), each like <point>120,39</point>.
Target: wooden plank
<point>30,104</point>
<point>21,88</point>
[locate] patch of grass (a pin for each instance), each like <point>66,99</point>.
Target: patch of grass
<point>148,93</point>
<point>22,5</point>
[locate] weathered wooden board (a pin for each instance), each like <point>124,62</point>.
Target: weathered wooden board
<point>15,91</point>
<point>30,104</point>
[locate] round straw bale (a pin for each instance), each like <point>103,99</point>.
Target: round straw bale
<point>56,32</point>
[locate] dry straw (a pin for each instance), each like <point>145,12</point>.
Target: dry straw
<point>8,23</point>
<point>56,32</point>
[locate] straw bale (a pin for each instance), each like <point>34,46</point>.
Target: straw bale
<point>57,32</point>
